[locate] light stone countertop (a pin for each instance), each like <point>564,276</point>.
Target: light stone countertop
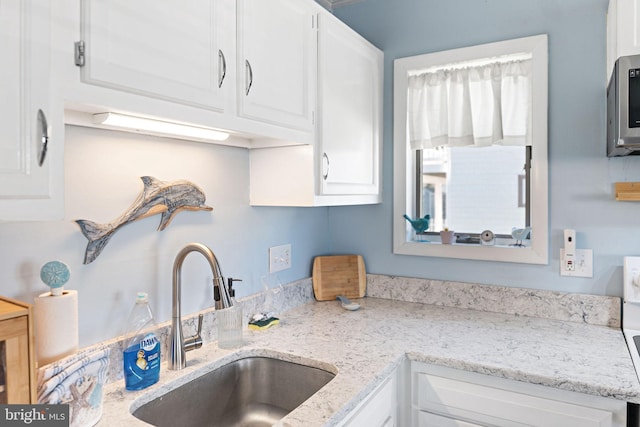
<point>365,346</point>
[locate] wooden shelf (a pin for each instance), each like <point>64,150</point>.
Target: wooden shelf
<point>628,191</point>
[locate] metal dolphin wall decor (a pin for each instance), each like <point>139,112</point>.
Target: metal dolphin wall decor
<point>157,197</point>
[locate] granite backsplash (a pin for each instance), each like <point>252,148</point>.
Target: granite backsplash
<point>589,309</point>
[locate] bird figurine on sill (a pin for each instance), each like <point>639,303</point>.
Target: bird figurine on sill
<point>420,225</point>
<point>519,234</point>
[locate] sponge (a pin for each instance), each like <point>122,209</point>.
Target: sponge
<point>263,323</point>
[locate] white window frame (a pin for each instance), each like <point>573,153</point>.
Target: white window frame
<point>404,165</point>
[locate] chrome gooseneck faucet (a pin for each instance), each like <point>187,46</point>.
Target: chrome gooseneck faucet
<point>179,346</point>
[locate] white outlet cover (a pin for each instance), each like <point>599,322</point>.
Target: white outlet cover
<point>583,263</point>
<point>279,258</point>
<point>631,276</point>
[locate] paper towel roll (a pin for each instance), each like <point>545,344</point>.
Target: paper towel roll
<point>56,326</point>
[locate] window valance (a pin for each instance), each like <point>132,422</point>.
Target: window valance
<point>474,105</point>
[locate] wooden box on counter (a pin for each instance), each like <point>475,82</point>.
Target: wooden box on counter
<point>17,353</point>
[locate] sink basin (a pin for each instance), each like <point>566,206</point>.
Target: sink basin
<point>255,391</point>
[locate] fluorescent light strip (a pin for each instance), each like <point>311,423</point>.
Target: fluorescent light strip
<point>158,126</point>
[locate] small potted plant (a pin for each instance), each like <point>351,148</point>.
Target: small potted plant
<point>446,236</point>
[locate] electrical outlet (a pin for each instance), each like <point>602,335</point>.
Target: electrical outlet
<point>582,265</point>
<point>279,258</point>
<point>631,279</point>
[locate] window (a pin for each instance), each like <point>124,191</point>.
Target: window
<point>461,177</point>
<point>493,177</point>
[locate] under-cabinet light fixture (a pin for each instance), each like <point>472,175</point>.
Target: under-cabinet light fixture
<point>154,126</point>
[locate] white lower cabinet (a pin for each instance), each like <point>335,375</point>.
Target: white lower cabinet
<point>422,395</point>
<point>379,409</point>
<point>443,397</point>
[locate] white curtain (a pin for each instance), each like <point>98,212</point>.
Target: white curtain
<point>480,106</point>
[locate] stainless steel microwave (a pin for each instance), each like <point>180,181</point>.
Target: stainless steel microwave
<point>623,107</point>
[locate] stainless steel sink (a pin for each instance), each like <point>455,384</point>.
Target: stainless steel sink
<point>255,391</point>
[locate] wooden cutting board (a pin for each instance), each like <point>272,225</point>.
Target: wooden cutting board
<point>339,275</point>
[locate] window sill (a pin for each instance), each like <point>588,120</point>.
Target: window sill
<point>504,253</point>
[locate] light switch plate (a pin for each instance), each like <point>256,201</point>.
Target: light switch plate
<point>583,265</point>
<point>279,258</point>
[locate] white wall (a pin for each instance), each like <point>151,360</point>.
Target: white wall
<point>102,170</point>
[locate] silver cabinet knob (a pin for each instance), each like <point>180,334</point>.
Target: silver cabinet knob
<point>249,70</point>
<point>325,166</point>
<point>221,62</point>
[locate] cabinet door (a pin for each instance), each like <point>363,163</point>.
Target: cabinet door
<point>623,31</point>
<point>277,62</point>
<point>173,51</point>
<point>628,27</point>
<point>350,87</point>
<point>379,409</point>
<point>24,90</point>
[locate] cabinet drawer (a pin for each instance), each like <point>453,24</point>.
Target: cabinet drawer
<point>432,420</point>
<point>499,407</point>
<point>14,327</point>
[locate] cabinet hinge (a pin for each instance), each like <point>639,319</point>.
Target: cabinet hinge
<point>79,53</point>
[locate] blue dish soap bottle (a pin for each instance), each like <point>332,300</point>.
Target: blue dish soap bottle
<point>141,354</point>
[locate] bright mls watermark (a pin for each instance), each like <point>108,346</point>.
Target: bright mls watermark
<point>34,415</point>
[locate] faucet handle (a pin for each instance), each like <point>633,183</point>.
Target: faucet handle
<point>200,318</point>
<point>194,341</point>
<point>217,283</point>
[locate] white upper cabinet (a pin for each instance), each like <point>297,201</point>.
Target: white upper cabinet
<point>343,166</point>
<point>277,62</point>
<point>262,69</point>
<point>350,110</point>
<point>623,31</point>
<point>30,137</point>
<point>175,51</point>
<point>246,66</point>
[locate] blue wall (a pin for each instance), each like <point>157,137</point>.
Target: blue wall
<point>102,170</point>
<point>581,176</point>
